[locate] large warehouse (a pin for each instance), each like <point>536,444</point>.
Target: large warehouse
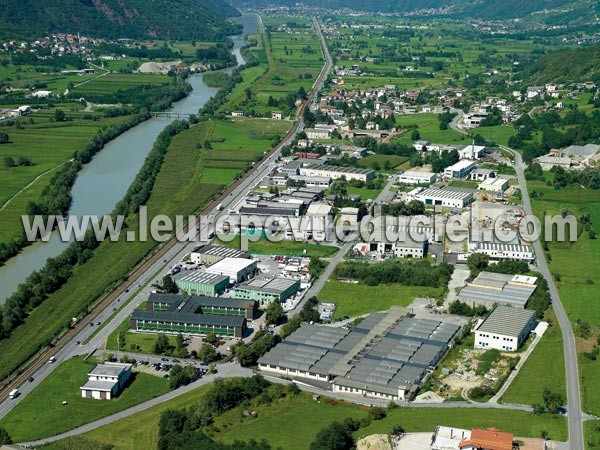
<point>194,315</point>
<point>505,328</point>
<point>386,356</point>
<point>448,196</point>
<point>506,251</point>
<point>490,289</point>
<point>201,283</point>
<point>237,269</point>
<point>210,254</point>
<point>268,291</point>
<point>336,172</point>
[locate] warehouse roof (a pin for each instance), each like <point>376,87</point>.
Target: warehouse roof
<point>197,276</point>
<point>341,169</point>
<point>219,250</point>
<point>229,265</point>
<point>267,211</point>
<point>109,369</point>
<point>507,321</point>
<point>275,286</point>
<point>444,191</point>
<point>514,290</point>
<point>504,247</point>
<point>190,301</point>
<point>196,319</point>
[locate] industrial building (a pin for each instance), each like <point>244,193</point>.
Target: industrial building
<point>106,381</point>
<point>385,356</point>
<point>459,170</point>
<point>495,185</point>
<point>194,315</point>
<point>237,269</point>
<point>202,305</point>
<point>268,291</point>
<point>490,289</point>
<point>505,328</point>
<point>497,252</point>
<point>414,177</point>
<point>201,283</point>
<point>404,248</point>
<point>210,254</point>
<point>447,196</point>
<point>337,172</point>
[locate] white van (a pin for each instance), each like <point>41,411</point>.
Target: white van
<point>14,393</point>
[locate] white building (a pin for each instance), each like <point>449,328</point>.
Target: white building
<point>459,170</point>
<point>496,185</point>
<point>105,381</point>
<point>480,174</point>
<point>447,438</point>
<point>237,269</point>
<point>337,172</point>
<point>505,251</point>
<point>421,145</point>
<point>472,152</point>
<point>317,133</point>
<point>447,196</point>
<point>505,329</point>
<point>414,177</point>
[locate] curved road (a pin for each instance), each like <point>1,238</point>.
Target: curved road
<point>574,412</point>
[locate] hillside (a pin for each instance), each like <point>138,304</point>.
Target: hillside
<point>565,11</point>
<point>173,19</point>
<point>565,66</point>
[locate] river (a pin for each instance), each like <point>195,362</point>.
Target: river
<point>105,180</point>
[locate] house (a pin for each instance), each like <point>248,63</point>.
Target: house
<point>421,145</point>
<point>106,381</point>
<point>237,114</point>
<point>505,328</point>
<point>488,439</point>
<point>277,115</point>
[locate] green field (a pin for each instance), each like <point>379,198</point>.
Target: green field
<point>357,299</point>
<point>428,126</point>
<point>575,263</point>
<point>111,83</point>
<point>272,423</point>
<point>134,342</point>
<point>547,359</point>
<point>48,145</point>
<point>285,248</point>
<point>42,413</point>
<point>393,160</point>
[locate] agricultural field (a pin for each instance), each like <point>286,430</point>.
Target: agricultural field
<point>42,413</point>
<point>285,248</point>
<point>428,127</point>
<point>48,144</point>
<point>357,299</point>
<point>113,82</point>
<point>271,423</point>
<point>573,267</point>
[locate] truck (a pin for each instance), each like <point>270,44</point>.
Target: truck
<point>14,393</point>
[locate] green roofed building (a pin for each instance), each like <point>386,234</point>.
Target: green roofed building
<point>201,283</point>
<point>172,313</point>
<point>268,291</point>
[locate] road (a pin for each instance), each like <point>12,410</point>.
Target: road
<point>574,412</point>
<point>137,288</point>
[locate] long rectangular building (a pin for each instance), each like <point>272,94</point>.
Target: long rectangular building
<point>171,313</point>
<point>386,356</point>
<point>210,254</point>
<point>505,328</point>
<point>337,172</point>
<point>498,252</point>
<point>268,291</point>
<point>201,283</point>
<point>446,196</point>
<point>490,289</point>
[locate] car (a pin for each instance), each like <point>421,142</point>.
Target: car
<point>78,343</point>
<point>98,323</point>
<point>126,290</point>
<point>164,359</point>
<point>91,324</point>
<point>114,309</point>
<point>166,376</point>
<point>30,379</point>
<point>176,361</point>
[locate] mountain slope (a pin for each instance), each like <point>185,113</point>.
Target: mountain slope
<point>174,19</point>
<point>565,66</point>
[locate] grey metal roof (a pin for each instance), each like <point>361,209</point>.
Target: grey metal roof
<point>497,288</point>
<point>274,286</point>
<point>197,301</point>
<point>196,276</point>
<point>507,321</point>
<point>219,250</point>
<point>263,211</point>
<point>109,369</point>
<point>93,385</point>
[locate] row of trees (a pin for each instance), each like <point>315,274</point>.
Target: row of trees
<point>417,273</point>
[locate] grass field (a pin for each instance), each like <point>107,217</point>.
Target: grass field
<point>272,423</point>
<point>285,248</point>
<point>428,126</point>
<point>357,299</point>
<point>48,145</point>
<point>111,83</point>
<point>42,413</point>
<point>135,342</point>
<point>393,160</point>
<point>547,359</point>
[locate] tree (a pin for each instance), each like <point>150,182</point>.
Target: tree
<point>552,401</point>
<point>161,344</point>
<point>415,135</point>
<point>274,313</point>
<point>169,285</point>
<point>334,437</point>
<point>211,338</point>
<point>5,438</point>
<point>24,161</point>
<point>59,115</point>
<point>181,376</point>
<point>9,162</point>
<point>245,356</point>
<point>477,262</point>
<point>207,353</point>
<point>4,138</point>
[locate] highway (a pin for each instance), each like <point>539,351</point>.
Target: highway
<point>137,287</point>
<point>574,412</point>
